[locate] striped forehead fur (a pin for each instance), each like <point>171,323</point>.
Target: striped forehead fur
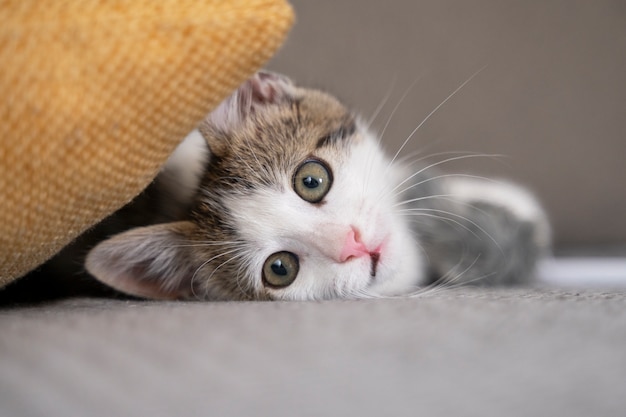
<point>270,144</point>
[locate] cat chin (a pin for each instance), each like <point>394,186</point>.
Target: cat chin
<point>401,272</point>
<point>395,286</point>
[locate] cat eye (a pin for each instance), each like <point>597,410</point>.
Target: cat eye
<point>312,180</point>
<point>281,269</point>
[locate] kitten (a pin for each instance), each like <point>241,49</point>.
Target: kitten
<point>296,201</point>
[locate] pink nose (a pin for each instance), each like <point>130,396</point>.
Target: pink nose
<point>353,247</point>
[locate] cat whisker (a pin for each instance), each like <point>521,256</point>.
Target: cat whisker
<point>473,223</point>
<point>412,159</point>
<point>497,158</point>
<point>366,295</point>
<point>466,204</point>
<point>222,264</point>
<point>435,164</point>
<point>245,266</point>
<point>382,103</point>
<point>422,155</point>
<point>406,141</point>
<point>195,274</point>
<point>464,283</point>
<point>444,282</point>
<point>361,293</point>
<point>232,258</point>
<point>393,112</point>
<point>449,279</point>
<point>427,197</point>
<point>446,219</point>
<point>238,279</point>
<point>439,177</point>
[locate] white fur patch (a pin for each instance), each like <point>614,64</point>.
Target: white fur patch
<point>187,163</point>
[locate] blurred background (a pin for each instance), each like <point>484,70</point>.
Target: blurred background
<point>552,97</point>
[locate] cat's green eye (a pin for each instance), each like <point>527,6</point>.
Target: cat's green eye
<point>312,180</point>
<point>281,269</point>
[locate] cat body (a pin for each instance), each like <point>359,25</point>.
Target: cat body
<point>285,194</point>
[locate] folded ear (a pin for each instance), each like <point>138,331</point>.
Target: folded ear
<point>253,96</point>
<point>151,262</point>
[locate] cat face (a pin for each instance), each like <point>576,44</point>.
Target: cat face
<point>349,243</point>
<point>297,203</point>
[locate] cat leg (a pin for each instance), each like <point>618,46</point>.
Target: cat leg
<point>484,233</point>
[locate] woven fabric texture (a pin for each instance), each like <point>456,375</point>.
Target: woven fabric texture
<point>94,95</point>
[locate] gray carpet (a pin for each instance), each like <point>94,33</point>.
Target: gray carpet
<point>466,352</point>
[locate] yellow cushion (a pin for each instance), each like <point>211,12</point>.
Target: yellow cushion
<point>94,95</point>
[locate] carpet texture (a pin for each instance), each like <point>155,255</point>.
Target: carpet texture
<point>463,352</point>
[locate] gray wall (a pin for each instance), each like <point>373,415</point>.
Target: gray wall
<point>552,98</point>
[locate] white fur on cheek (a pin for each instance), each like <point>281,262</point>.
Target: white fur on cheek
<point>274,220</point>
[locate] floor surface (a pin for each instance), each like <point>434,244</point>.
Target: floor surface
<point>463,352</point>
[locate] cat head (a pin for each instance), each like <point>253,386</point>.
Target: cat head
<point>297,202</point>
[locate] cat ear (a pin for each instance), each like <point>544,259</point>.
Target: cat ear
<point>263,89</point>
<point>253,96</point>
<point>151,262</point>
